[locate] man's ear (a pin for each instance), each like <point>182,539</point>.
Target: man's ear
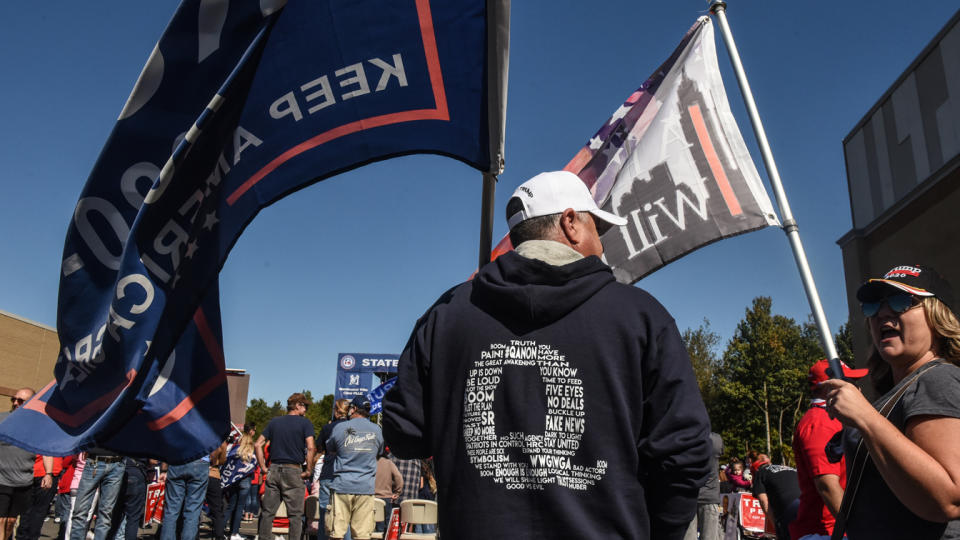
<point>570,227</point>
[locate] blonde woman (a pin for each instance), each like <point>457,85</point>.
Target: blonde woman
<point>910,486</point>
<point>235,477</point>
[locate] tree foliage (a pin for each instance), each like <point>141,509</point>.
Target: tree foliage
<point>844,340</point>
<point>702,346</point>
<point>320,412</point>
<point>260,414</point>
<point>760,381</point>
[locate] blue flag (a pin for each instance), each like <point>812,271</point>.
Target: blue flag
<point>234,468</point>
<point>376,395</point>
<point>240,104</point>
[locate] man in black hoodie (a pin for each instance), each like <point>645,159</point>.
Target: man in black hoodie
<point>556,402</point>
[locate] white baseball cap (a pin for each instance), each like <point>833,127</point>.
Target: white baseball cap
<point>553,192</point>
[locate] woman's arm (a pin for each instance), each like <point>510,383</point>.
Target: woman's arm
<point>921,466</point>
<point>828,487</point>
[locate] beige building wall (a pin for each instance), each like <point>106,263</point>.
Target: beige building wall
<point>28,352</point>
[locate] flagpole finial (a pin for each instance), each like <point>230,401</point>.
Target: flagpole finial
<point>718,5</point>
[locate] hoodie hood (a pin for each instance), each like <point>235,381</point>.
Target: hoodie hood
<point>526,294</point>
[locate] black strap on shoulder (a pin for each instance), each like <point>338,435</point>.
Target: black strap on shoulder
<point>862,455</point>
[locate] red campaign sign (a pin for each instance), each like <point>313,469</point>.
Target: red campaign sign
<point>393,530</point>
<point>153,510</point>
<point>752,517</point>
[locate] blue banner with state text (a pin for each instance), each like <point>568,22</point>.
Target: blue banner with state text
<point>359,373</point>
<point>367,363</point>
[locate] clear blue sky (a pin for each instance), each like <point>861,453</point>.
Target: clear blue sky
<point>347,265</point>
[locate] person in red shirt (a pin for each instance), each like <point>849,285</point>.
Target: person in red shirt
<point>821,482</point>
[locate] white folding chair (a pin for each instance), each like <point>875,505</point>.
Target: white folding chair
<point>379,509</point>
<point>418,512</point>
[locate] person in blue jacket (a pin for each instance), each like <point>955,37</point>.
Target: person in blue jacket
<point>357,442</point>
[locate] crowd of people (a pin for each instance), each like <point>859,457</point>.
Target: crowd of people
<point>887,469</point>
<point>101,495</point>
<point>554,402</point>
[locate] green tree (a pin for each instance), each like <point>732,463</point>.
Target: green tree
<point>320,412</point>
<point>761,380</point>
<point>701,346</point>
<point>844,341</point>
<point>260,414</point>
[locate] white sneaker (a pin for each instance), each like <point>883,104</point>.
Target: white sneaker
<point>236,537</point>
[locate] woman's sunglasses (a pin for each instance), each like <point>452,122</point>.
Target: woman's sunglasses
<point>899,303</point>
<point>17,401</point>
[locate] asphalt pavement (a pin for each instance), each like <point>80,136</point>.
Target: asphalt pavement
<point>248,529</point>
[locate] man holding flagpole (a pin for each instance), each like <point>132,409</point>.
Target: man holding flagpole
<point>557,402</point>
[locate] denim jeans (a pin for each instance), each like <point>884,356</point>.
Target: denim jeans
<point>237,495</point>
<point>253,502</point>
<point>323,499</point>
<point>69,499</point>
<point>107,477</point>
<point>128,513</point>
<point>186,487</point>
<point>63,506</point>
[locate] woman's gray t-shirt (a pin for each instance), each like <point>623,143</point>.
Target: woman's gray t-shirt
<point>876,512</point>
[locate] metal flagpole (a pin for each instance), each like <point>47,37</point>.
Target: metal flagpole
<point>719,8</point>
<point>498,61</point>
<point>486,217</point>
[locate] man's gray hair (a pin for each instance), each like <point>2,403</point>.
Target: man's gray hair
<point>538,228</point>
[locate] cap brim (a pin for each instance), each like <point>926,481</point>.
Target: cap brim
<point>875,289</point>
<point>850,373</point>
<point>612,219</point>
